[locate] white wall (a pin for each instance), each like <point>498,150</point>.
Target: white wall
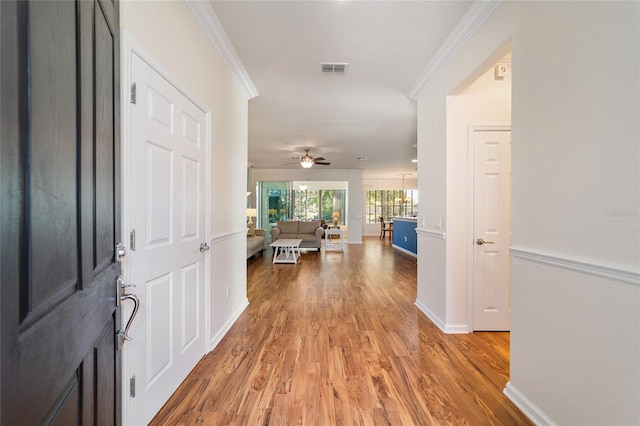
<point>354,190</point>
<point>575,340</point>
<point>168,32</point>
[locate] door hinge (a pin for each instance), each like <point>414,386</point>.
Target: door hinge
<point>132,240</point>
<point>133,93</point>
<point>132,387</point>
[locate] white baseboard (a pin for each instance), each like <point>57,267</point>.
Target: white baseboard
<point>457,329</point>
<point>526,406</point>
<point>227,326</point>
<point>447,329</point>
<point>433,317</point>
<point>404,250</point>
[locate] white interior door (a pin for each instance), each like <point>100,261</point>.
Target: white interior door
<point>492,230</point>
<point>168,164</point>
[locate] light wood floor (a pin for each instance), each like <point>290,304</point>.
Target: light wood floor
<point>337,340</point>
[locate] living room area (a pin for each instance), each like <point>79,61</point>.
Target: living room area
<point>284,203</point>
<point>295,210</point>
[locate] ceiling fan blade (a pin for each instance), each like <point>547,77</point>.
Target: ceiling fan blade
<point>319,159</point>
<point>322,163</point>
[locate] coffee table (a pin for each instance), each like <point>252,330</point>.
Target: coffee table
<point>286,250</point>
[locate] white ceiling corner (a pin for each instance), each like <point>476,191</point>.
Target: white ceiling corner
<point>466,28</point>
<point>206,17</point>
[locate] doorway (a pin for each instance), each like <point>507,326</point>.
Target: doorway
<point>484,104</point>
<point>489,199</point>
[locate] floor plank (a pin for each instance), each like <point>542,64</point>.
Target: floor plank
<point>337,340</point>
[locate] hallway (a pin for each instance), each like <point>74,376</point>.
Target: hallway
<point>336,339</point>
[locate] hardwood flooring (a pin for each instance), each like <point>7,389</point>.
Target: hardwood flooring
<point>337,340</point>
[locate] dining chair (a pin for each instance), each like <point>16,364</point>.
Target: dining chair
<point>384,228</point>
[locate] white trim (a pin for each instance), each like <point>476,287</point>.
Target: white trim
<point>433,317</point>
<point>526,406</point>
<point>431,233</point>
<point>404,250</point>
<point>215,239</point>
<point>446,329</point>
<point>457,329</point>
<point>206,17</point>
<point>125,207</point>
<point>610,271</point>
<point>227,326</point>
<point>462,33</point>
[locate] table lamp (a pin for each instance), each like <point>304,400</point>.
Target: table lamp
<point>250,214</point>
<point>336,217</point>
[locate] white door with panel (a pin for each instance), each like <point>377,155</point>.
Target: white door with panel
<point>492,230</point>
<point>168,250</point>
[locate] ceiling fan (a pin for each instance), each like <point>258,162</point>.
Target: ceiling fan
<point>306,161</point>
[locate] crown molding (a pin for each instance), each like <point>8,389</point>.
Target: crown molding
<point>206,17</point>
<point>462,33</point>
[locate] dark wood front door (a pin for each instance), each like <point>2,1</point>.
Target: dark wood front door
<point>59,212</point>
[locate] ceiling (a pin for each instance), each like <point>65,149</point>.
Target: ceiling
<point>364,112</point>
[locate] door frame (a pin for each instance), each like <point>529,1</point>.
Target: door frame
<point>129,47</point>
<point>471,213</point>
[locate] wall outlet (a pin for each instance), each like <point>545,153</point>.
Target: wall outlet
<point>438,223</point>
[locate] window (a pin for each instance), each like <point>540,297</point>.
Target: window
<point>279,201</point>
<point>390,203</point>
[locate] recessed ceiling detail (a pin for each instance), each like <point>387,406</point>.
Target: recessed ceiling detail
<point>334,67</point>
<point>284,45</point>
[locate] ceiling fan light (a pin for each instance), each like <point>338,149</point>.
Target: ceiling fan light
<point>306,162</point>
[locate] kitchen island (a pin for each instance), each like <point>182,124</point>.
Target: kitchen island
<point>404,234</point>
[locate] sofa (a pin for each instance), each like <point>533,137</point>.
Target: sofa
<point>256,243</point>
<point>310,232</point>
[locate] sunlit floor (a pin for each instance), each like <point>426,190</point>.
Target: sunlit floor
<point>337,339</point>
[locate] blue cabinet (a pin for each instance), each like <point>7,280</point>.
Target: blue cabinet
<point>404,234</point>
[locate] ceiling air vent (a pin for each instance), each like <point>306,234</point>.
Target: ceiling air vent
<point>334,67</point>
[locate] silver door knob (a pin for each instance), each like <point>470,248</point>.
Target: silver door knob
<point>204,247</point>
<point>480,242</point>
